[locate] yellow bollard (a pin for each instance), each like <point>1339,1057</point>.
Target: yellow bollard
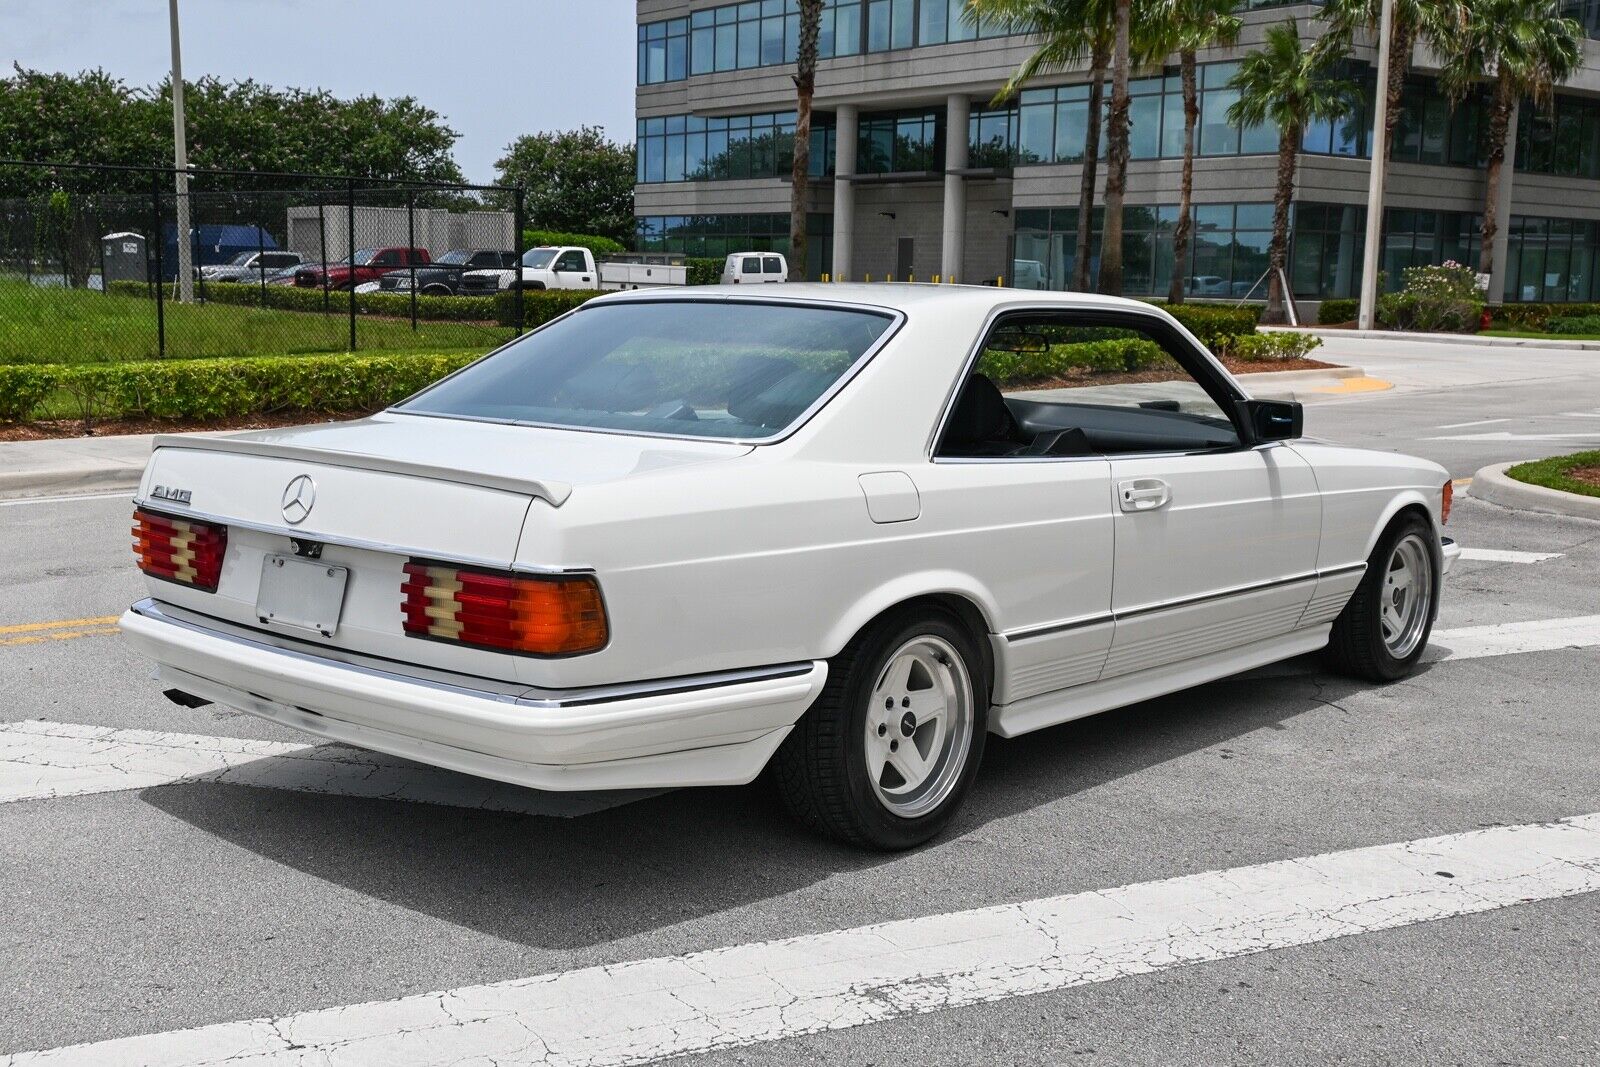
<point>1000,282</point>
<point>825,276</point>
<point>935,279</point>
<point>888,277</point>
<point>869,277</point>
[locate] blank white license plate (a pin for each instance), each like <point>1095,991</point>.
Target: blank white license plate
<point>301,593</point>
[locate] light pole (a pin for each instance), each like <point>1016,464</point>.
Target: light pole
<point>1380,155</point>
<point>180,163</point>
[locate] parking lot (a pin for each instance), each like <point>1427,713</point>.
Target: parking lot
<point>1245,872</point>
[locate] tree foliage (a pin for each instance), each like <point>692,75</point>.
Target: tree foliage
<point>576,180</point>
<point>93,117</point>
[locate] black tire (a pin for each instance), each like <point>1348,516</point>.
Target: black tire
<point>437,290</point>
<point>821,770</point>
<point>1356,645</point>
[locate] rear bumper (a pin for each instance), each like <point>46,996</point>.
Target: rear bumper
<point>704,730</point>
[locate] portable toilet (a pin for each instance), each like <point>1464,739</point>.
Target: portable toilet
<point>124,256</point>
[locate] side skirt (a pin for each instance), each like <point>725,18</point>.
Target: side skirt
<point>1050,709</point>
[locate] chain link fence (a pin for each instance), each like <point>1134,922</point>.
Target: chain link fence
<point>110,264</point>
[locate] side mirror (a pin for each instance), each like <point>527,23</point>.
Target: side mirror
<point>1274,420</point>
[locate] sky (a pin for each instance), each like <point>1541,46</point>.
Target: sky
<point>495,69</point>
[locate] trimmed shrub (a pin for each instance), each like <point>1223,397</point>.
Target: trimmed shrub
<point>539,306</point>
<point>23,388</point>
<point>1576,324</point>
<point>1442,298</point>
<point>704,270</point>
<point>600,246</point>
<point>1124,355</point>
<point>1333,312</point>
<point>1271,347</point>
<point>1537,318</point>
<point>1216,326</point>
<point>294,298</point>
<point>219,388</point>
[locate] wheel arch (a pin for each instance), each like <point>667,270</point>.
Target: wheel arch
<point>956,593</point>
<point>1409,501</point>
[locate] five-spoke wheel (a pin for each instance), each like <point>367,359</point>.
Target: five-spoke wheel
<point>1383,630</point>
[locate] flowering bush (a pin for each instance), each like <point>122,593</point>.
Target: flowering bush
<point>1441,298</point>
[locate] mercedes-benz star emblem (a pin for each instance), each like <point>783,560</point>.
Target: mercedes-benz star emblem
<point>298,497</point>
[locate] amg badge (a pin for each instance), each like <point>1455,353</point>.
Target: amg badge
<point>170,493</point>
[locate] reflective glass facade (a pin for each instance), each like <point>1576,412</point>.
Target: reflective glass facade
<point>676,148</point>
<point>1227,253</point>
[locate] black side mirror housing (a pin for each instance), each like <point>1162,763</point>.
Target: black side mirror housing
<point>1274,420</point>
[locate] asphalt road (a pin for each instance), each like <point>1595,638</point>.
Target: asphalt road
<point>156,908</point>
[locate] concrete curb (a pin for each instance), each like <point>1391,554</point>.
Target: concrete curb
<point>1441,338</point>
<point>1492,484</point>
<point>1266,377</point>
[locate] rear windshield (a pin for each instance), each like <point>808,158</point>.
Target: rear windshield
<point>686,368</point>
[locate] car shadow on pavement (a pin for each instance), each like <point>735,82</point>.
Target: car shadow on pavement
<point>569,883</point>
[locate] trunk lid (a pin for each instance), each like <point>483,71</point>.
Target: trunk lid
<point>382,491</point>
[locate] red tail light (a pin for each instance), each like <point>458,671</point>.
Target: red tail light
<point>1448,498</point>
<point>179,550</point>
<point>556,615</point>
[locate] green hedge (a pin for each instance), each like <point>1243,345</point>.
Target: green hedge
<point>1271,347</point>
<point>1058,361</point>
<point>1334,312</point>
<point>219,388</point>
<point>600,246</point>
<point>704,270</point>
<point>294,298</point>
<point>1584,324</point>
<point>1537,317</point>
<point>1216,326</point>
<point>539,306</point>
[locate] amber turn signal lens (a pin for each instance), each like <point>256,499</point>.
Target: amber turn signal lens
<point>1448,499</point>
<point>545,615</point>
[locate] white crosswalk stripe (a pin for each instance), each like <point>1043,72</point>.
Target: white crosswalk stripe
<point>1506,555</point>
<point>640,1011</point>
<point>40,760</point>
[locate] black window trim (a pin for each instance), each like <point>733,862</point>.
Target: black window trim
<point>1205,371</point>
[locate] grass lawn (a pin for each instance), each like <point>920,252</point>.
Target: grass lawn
<point>39,325</point>
<point>1543,336</point>
<point>1578,473</point>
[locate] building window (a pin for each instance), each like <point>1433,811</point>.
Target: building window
<point>677,148</point>
<point>900,143</point>
<point>1227,253</point>
<point>1325,261</point>
<point>663,51</point>
<point>1564,140</point>
<point>1552,260</point>
<point>716,236</point>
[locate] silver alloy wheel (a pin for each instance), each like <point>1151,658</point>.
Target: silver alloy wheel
<point>919,726</point>
<point>1407,596</point>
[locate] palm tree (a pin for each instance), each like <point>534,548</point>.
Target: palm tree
<point>1067,32</point>
<point>1435,22</point>
<point>805,84</point>
<point>1192,25</point>
<point>1117,149</point>
<point>1523,48</point>
<point>1290,86</point>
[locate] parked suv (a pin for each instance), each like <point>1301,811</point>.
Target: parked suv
<point>443,275</point>
<point>250,266</point>
<point>367,265</point>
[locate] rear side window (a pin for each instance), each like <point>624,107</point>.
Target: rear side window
<point>685,368</point>
<point>772,265</point>
<point>751,265</point>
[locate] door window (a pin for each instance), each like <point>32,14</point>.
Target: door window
<point>1053,384</point>
<point>570,261</point>
<point>388,258</point>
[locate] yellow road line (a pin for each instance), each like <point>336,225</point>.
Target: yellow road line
<point>61,624</point>
<point>55,635</point>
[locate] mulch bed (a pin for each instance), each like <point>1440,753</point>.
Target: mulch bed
<point>1586,475</point>
<point>55,429</point>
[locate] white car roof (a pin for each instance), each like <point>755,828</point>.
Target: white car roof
<point>897,296</point>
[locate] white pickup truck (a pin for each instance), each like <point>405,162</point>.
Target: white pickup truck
<point>574,267</point>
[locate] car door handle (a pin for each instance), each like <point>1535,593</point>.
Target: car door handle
<point>1143,494</point>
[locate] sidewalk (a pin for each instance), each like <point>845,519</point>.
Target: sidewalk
<point>72,464</point>
<point>1327,332</point>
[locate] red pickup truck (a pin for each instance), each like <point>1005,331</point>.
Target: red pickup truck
<point>368,264</point>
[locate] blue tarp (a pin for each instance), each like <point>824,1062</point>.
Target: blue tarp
<point>213,243</point>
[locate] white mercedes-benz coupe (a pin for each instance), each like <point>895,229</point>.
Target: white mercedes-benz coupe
<point>842,533</point>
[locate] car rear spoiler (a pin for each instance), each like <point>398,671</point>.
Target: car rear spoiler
<point>552,492</point>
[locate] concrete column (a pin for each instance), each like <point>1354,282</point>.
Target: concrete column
<point>1502,237</point>
<point>845,118</point>
<point>958,109</point>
